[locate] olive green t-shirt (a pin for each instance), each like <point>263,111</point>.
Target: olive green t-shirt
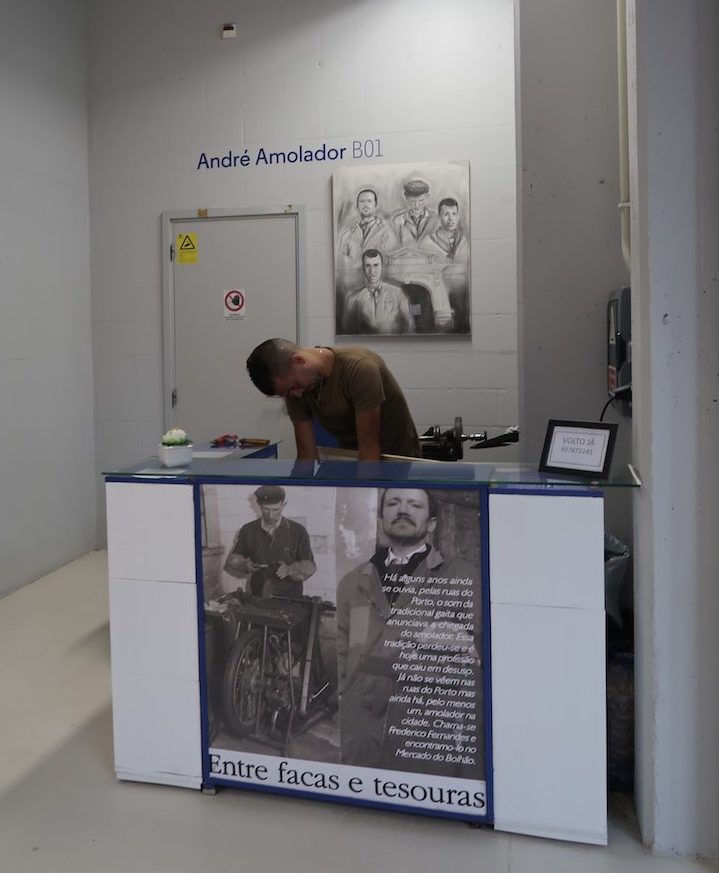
<point>360,380</point>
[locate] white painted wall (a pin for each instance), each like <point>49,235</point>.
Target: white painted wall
<point>47,503</point>
<point>675,225</point>
<point>433,81</point>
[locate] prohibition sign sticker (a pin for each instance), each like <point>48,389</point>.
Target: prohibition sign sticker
<point>234,304</point>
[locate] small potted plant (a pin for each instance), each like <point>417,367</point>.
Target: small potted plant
<point>175,450</point>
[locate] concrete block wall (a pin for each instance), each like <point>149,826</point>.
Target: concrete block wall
<point>569,236</point>
<point>431,81</point>
<point>47,494</point>
<point>674,141</point>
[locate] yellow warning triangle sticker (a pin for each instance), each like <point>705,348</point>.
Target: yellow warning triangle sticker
<point>187,244</point>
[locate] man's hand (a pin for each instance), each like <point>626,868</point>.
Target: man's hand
<point>252,566</point>
<point>297,571</point>
<point>305,441</point>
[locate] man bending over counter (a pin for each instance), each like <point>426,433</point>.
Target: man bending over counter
<point>349,390</point>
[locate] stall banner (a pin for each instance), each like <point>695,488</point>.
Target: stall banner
<point>344,644</point>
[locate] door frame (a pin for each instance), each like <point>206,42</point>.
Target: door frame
<point>169,218</point>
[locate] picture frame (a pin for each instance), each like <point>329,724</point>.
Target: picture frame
<point>578,448</point>
<point>402,249</point>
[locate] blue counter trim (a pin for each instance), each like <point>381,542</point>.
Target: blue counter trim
<point>202,655</point>
<point>150,479</point>
<point>547,491</point>
<point>427,484</point>
<point>486,647</point>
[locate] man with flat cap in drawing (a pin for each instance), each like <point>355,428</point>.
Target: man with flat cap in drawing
<point>415,223</point>
<point>272,552</point>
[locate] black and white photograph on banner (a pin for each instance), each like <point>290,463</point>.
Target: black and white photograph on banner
<point>409,638</point>
<point>343,639</point>
<point>270,637</point>
<point>402,249</point>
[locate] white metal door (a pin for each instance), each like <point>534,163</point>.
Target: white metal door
<point>207,340</point>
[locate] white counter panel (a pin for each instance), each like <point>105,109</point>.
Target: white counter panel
<point>547,550</point>
<point>548,665</point>
<point>548,722</point>
<point>150,532</point>
<point>153,628</point>
<point>157,728</point>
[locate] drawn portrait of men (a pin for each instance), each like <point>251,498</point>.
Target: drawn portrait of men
<point>417,217</point>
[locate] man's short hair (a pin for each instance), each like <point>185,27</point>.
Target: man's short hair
<point>373,253</point>
<point>269,494</point>
<point>447,201</point>
<point>367,191</point>
<point>270,359</point>
<point>431,499</point>
<point>415,188</point>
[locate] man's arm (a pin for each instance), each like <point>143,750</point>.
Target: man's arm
<point>368,444</point>
<point>304,564</point>
<point>351,313</point>
<point>344,249</point>
<point>365,391</point>
<point>387,239</point>
<point>305,440</point>
<point>237,563</point>
<point>406,312</point>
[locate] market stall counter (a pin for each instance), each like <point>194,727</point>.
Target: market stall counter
<point>417,636</point>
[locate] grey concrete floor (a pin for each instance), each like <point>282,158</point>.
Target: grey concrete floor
<point>62,810</point>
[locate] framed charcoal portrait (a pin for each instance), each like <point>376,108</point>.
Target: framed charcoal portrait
<point>402,249</point>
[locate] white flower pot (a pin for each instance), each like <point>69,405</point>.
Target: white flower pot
<point>174,456</point>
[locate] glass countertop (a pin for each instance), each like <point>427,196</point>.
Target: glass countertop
<point>235,467</point>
